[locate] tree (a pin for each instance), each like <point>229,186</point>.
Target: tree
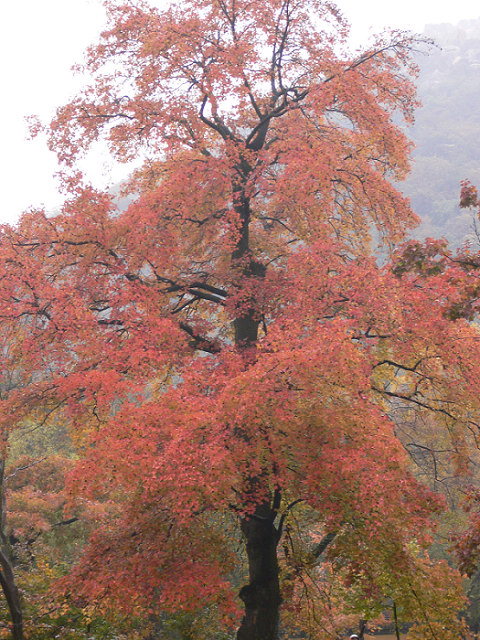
<point>231,358</point>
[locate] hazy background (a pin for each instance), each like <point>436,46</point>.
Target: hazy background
<point>42,40</point>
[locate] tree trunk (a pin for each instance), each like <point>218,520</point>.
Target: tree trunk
<point>10,591</point>
<point>261,596</point>
<point>7,576</point>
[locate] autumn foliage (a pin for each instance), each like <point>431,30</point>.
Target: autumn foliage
<point>232,362</point>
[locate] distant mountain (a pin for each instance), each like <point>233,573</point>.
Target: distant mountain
<point>447,130</point>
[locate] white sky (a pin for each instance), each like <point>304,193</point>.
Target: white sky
<point>42,39</point>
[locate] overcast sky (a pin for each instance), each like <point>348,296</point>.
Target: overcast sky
<point>42,39</point>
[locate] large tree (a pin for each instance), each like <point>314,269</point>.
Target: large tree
<point>231,358</point>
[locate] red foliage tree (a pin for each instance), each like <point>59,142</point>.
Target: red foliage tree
<point>228,352</point>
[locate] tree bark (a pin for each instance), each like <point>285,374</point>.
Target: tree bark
<point>261,595</point>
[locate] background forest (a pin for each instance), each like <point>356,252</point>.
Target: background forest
<point>446,127</point>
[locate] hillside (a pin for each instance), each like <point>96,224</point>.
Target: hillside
<point>446,130</point>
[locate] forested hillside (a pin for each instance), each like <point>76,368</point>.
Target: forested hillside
<point>446,130</point>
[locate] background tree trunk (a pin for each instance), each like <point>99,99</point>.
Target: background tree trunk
<point>7,576</point>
